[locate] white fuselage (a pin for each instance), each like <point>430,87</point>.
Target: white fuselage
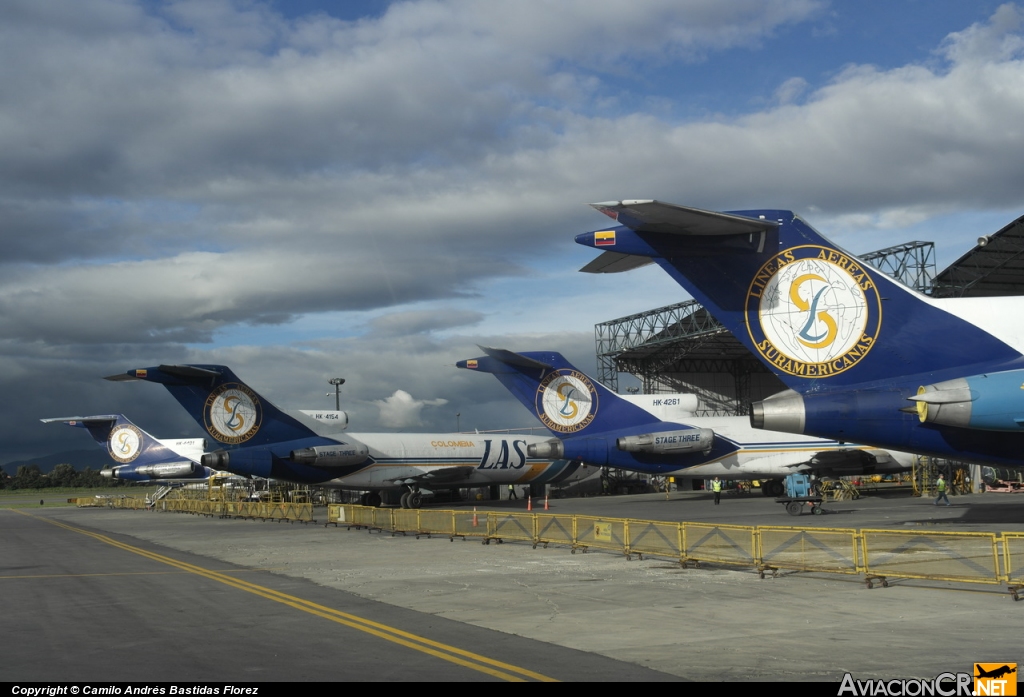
<point>452,459</point>
<point>770,454</point>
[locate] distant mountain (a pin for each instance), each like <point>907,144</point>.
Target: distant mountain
<point>79,459</point>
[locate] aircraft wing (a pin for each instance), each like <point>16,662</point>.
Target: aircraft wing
<point>668,218</point>
<point>444,475</point>
<point>854,461</point>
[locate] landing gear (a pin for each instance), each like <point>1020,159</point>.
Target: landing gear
<point>411,499</point>
<point>371,498</point>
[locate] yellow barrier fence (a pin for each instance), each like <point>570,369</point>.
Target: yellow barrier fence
<point>471,524</point>
<point>512,526</point>
<point>559,529</point>
<point>655,539</point>
<point>834,550</point>
<point>944,556</point>
<point>603,533</point>
<point>879,554</point>
<point>719,544</point>
<point>1013,556</point>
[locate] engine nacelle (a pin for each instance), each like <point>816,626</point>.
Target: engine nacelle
<point>668,442</point>
<point>340,455</point>
<point>784,412</point>
<point>165,470</point>
<point>548,450</point>
<point>988,402</point>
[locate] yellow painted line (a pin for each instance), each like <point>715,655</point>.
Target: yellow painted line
<point>132,573</point>
<point>467,659</point>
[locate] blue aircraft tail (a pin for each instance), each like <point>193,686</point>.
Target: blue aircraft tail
<point>141,456</point>
<point>231,412</point>
<point>814,314</point>
<point>565,400</point>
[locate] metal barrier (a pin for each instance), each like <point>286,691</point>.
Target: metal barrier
<point>512,526</point>
<point>655,539</point>
<point>944,556</point>
<point>719,544</point>
<point>1013,557</point>
<point>466,524</point>
<point>560,529</point>
<point>834,550</point>
<point>602,533</point>
<point>969,557</point>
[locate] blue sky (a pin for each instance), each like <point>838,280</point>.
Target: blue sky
<point>300,193</point>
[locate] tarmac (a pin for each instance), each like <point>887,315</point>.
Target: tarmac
<point>706,624</point>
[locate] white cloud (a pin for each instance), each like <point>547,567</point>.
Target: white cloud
<point>400,410</point>
<point>176,170</point>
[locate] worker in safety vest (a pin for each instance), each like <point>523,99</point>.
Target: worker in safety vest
<point>940,486</point>
<point>716,486</point>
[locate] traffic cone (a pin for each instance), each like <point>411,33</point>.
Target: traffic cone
<point>475,522</point>
<point>529,502</point>
<point>545,502</point>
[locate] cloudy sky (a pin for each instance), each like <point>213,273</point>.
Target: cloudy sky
<point>303,192</point>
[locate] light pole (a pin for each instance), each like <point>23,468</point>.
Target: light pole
<point>337,382</point>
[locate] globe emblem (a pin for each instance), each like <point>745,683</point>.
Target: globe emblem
<point>813,311</point>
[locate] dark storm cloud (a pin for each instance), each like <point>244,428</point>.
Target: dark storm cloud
<point>171,170</point>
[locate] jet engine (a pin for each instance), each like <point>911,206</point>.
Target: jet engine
<point>988,402</point>
<point>668,442</point>
<point>166,470</point>
<point>608,450</point>
<point>340,455</point>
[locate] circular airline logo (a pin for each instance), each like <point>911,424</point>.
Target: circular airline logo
<point>232,413</point>
<point>566,401</point>
<point>125,443</point>
<point>813,312</point>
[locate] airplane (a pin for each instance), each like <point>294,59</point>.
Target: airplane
<point>594,425</point>
<point>866,359</point>
<point>996,672</point>
<point>256,438</point>
<point>144,458</point>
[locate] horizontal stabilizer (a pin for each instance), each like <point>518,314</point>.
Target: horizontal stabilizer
<point>656,216</point>
<point>184,373</point>
<point>83,421</point>
<point>613,262</point>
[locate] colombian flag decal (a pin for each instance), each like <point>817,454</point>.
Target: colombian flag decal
<point>471,364</point>
<point>140,373</point>
<point>604,239</point>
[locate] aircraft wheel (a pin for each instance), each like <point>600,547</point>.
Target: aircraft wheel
<point>364,500</point>
<point>777,488</point>
<point>373,499</point>
<point>415,499</point>
<point>404,500</point>
<point>793,507</point>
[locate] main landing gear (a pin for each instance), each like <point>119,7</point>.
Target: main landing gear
<point>371,498</point>
<point>411,499</point>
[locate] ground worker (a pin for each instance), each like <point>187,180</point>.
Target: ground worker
<point>716,486</point>
<point>940,486</point>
